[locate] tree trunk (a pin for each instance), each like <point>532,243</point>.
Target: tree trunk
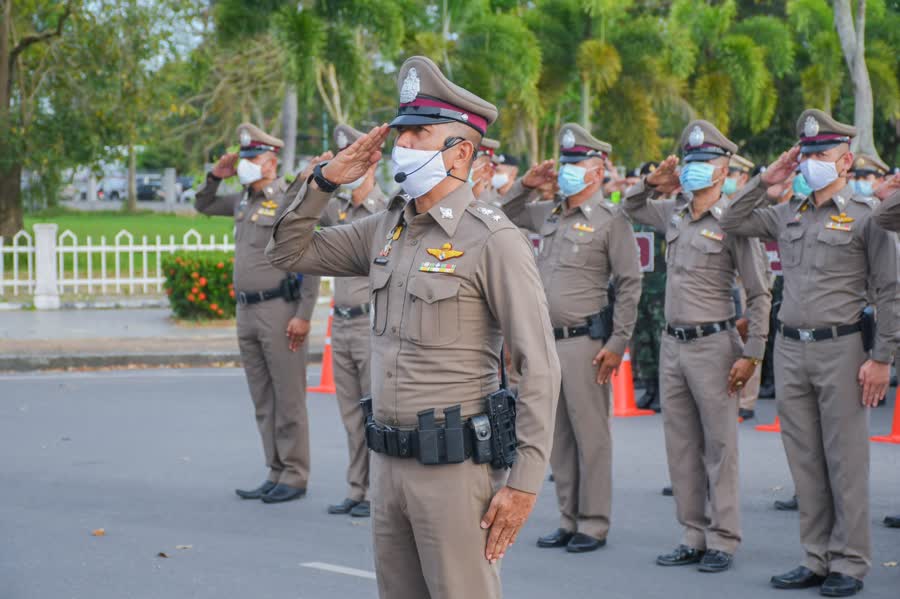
<point>586,104</point>
<point>289,130</point>
<point>132,178</point>
<point>11,221</point>
<point>853,45</point>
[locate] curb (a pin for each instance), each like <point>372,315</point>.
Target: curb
<point>37,363</point>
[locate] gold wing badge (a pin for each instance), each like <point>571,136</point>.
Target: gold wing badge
<point>446,252</point>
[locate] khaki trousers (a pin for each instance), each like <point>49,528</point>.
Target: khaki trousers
<point>426,524</point>
<point>276,377</point>
<point>352,378</point>
<point>582,441</point>
<point>700,423</point>
<point>825,431</point>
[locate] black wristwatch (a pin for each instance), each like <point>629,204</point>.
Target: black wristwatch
<point>323,183</point>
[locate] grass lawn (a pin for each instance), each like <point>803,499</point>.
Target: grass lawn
<point>151,224</point>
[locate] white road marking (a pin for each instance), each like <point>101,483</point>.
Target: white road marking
<point>340,570</point>
<point>148,373</point>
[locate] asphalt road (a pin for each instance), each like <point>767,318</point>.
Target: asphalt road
<point>152,457</point>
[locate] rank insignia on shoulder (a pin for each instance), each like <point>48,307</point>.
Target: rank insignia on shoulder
<point>839,226</point>
<point>583,228</point>
<point>437,267</point>
<point>712,235</point>
<point>446,252</point>
<point>842,218</point>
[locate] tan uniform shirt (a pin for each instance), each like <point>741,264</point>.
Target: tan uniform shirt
<point>254,214</point>
<point>888,214</point>
<point>581,249</point>
<point>446,289</point>
<point>350,292</point>
<point>830,255</point>
<point>701,263</point>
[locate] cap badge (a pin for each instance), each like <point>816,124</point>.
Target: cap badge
<point>810,127</point>
<point>410,88</point>
<point>245,137</point>
<point>861,162</point>
<point>696,137</point>
<point>342,140</point>
<point>568,139</point>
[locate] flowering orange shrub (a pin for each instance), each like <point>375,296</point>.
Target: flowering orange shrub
<point>199,285</point>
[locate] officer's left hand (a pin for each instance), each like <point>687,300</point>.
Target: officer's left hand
<point>297,331</point>
<point>874,378</point>
<point>507,513</point>
<point>607,363</point>
<point>743,327</point>
<point>352,162</point>
<point>740,374</point>
<point>888,187</point>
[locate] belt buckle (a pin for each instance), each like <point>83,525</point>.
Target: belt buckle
<point>806,335</point>
<point>242,298</point>
<point>680,334</point>
<point>343,312</point>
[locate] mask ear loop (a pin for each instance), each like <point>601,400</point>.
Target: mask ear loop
<point>452,142</point>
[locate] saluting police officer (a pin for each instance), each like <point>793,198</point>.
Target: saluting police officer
<point>833,258</point>
<point>350,329</point>
<point>483,172</point>
<point>703,361</point>
<point>868,174</point>
<point>450,278</point>
<point>273,312</point>
<point>585,241</point>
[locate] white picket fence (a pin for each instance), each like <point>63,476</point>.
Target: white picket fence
<point>123,266</point>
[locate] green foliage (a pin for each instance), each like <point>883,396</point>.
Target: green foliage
<point>200,286</point>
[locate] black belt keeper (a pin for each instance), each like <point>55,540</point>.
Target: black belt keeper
<point>701,330</point>
<point>569,332</point>
<point>820,334</point>
<point>348,312</point>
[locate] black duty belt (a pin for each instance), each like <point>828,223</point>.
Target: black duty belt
<point>398,443</point>
<point>348,312</point>
<point>246,298</point>
<point>821,334</point>
<point>701,330</point>
<point>568,332</point>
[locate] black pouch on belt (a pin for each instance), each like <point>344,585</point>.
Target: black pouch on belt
<point>867,325</point>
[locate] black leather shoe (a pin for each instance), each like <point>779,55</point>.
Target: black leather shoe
<point>343,507</point>
<point>582,543</point>
<point>798,578</point>
<point>840,585</point>
<point>746,414</point>
<point>667,491</point>
<point>715,561</point>
<point>786,506</point>
<point>361,510</point>
<point>682,556</point>
<point>282,493</point>
<point>256,493</point>
<point>892,521</point>
<point>558,538</point>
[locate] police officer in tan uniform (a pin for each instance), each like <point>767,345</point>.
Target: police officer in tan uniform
<point>506,172</point>
<point>273,312</point>
<point>834,258</point>
<point>868,174</point>
<point>483,172</point>
<point>703,363</point>
<point>586,241</point>
<point>450,278</point>
<point>350,330</point>
<point>888,213</point>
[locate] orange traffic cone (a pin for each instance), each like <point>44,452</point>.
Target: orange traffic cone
<point>624,405</point>
<point>326,382</point>
<point>775,427</point>
<point>894,437</point>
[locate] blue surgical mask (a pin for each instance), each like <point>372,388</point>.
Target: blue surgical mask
<point>571,179</point>
<point>801,187</point>
<point>696,176</point>
<point>730,186</point>
<point>864,188</point>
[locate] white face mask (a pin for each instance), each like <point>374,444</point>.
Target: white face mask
<point>818,174</point>
<point>499,180</point>
<point>419,171</point>
<point>354,184</point>
<point>248,172</point>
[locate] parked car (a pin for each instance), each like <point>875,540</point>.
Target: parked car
<point>113,187</point>
<point>149,188</point>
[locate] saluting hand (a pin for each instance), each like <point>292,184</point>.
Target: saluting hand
<point>539,174</point>
<point>665,178</point>
<point>607,363</point>
<point>226,167</point>
<point>297,331</point>
<point>740,374</point>
<point>888,187</point>
<point>781,169</point>
<point>507,513</point>
<point>779,190</point>
<point>353,161</point>
<point>874,378</point>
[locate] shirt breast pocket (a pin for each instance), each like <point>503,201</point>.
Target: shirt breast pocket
<point>262,231</point>
<point>433,310</point>
<point>833,251</point>
<point>379,291</point>
<point>790,246</point>
<point>671,245</point>
<point>577,247</point>
<point>705,253</point>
